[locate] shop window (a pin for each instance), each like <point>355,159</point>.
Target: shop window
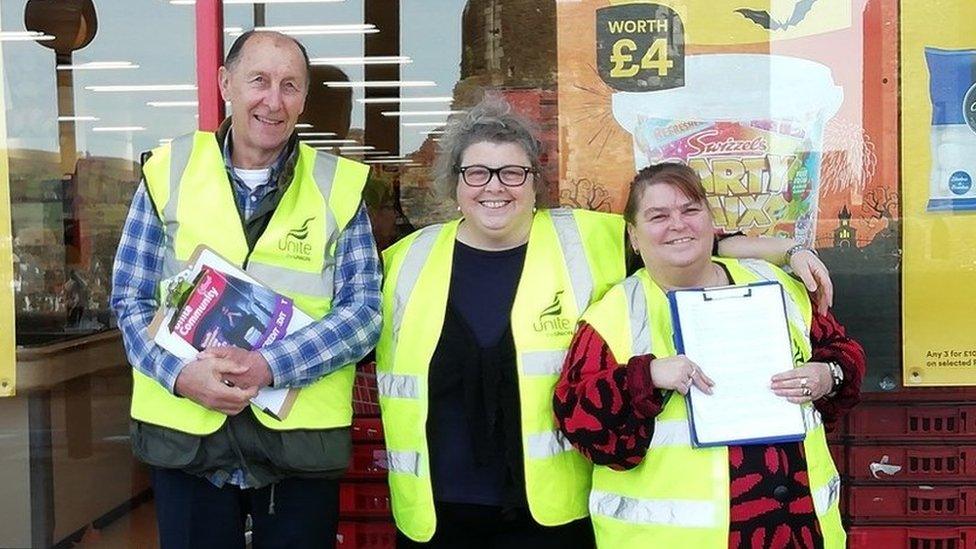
<point>88,87</point>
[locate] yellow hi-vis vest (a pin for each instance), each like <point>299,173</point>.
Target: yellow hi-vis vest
<point>679,495</point>
<point>295,256</point>
<point>571,259</point>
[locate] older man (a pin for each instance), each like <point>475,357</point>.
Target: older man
<point>294,219</point>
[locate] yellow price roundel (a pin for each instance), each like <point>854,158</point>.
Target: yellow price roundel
<point>640,47</point>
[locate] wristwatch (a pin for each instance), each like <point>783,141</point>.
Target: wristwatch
<point>798,248</point>
<point>837,373</point>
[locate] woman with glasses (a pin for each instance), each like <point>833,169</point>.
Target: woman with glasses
<point>478,315</point>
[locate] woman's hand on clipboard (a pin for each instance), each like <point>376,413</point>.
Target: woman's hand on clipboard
<point>809,382</point>
<point>678,373</point>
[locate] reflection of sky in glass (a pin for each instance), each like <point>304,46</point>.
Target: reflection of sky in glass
<point>159,37</point>
<point>153,34</point>
<point>430,34</point>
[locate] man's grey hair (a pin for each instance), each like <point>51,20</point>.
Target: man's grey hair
<point>493,121</point>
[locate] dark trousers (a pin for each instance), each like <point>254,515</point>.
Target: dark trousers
<point>293,513</point>
<point>468,526</point>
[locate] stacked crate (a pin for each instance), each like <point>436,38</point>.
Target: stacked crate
<point>364,496</point>
<point>836,443</point>
<point>911,463</point>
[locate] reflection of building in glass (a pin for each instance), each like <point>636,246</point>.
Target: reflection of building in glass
<point>508,43</point>
<point>65,230</point>
<point>37,220</point>
<point>508,46</point>
<point>68,206</point>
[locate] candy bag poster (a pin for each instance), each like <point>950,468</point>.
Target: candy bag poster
<point>939,162</point>
<point>788,110</point>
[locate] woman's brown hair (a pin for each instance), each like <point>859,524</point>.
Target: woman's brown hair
<point>672,173</point>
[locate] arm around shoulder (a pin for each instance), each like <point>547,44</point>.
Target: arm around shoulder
<point>803,261</point>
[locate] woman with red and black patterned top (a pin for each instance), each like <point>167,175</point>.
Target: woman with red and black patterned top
<point>607,405</point>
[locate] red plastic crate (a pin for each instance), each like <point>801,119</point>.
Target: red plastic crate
<point>368,462</point>
<point>912,503</point>
<point>366,535</point>
<point>839,454</point>
<point>364,500</point>
<point>365,395</point>
<point>897,537</point>
<point>367,429</point>
<point>917,463</point>
<point>839,432</point>
<point>915,421</point>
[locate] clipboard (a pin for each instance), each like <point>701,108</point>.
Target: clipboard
<point>276,402</point>
<point>739,336</point>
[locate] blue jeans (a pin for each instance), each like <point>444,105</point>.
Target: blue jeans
<point>293,513</point>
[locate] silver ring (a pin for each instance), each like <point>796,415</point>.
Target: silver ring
<point>803,382</point>
<point>807,392</point>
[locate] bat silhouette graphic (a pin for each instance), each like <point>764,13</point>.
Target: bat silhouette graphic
<point>766,21</point>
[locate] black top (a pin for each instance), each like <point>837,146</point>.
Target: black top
<point>474,425</point>
<point>483,286</point>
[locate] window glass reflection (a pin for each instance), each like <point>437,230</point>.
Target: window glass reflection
<point>98,87</point>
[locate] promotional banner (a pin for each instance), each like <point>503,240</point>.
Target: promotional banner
<point>8,356</point>
<point>786,109</point>
<point>939,196</point>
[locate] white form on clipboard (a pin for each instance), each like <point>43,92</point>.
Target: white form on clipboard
<point>740,338</point>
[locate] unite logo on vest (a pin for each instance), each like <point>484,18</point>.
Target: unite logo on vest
<point>551,322</point>
<point>294,245</point>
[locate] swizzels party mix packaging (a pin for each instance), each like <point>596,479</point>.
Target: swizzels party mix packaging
<point>752,127</point>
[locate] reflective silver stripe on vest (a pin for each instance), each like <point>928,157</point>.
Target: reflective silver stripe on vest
<point>405,462</point>
<point>667,512</point>
<point>324,172</point>
<point>763,271</point>
<point>398,385</point>
<point>543,363</point>
<point>671,432</point>
<point>811,417</point>
<point>413,263</point>
<point>826,495</point>
<point>640,333</point>
<point>546,445</point>
<point>571,242</point>
<point>179,156</point>
<point>286,280</point>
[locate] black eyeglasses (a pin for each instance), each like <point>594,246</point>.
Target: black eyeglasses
<point>477,175</point>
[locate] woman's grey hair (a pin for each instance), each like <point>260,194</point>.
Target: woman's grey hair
<point>492,120</point>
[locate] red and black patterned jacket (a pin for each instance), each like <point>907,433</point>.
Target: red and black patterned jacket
<point>607,411</point>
